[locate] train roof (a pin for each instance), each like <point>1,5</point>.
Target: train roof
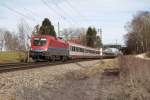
<point>48,36</point>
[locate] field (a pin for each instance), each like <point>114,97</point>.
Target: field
<point>11,57</point>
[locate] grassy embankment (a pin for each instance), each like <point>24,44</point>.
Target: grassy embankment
<point>93,70</point>
<point>132,82</point>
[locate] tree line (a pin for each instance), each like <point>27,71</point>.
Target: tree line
<point>137,38</point>
<point>20,40</point>
<point>16,41</point>
<point>90,39</point>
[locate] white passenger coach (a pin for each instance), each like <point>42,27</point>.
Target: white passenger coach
<point>80,51</point>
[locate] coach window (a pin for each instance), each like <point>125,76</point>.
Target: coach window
<point>73,48</point>
<point>70,48</point>
<point>96,52</point>
<point>85,50</point>
<point>77,49</point>
<point>81,49</point>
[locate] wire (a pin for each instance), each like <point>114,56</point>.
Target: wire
<point>72,20</point>
<point>17,12</point>
<point>33,14</point>
<point>73,8</point>
<point>55,11</point>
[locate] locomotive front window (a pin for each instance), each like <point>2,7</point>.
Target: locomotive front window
<point>39,42</point>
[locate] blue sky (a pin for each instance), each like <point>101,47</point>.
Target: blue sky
<point>110,15</point>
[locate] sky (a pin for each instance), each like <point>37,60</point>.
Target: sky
<point>109,15</point>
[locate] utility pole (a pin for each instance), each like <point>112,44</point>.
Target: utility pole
<point>58,29</point>
<point>101,34</point>
<point>1,45</point>
<point>101,49</point>
<point>117,44</point>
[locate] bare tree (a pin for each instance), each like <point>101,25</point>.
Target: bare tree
<point>138,36</point>
<point>36,30</point>
<point>1,38</point>
<point>75,32</point>
<point>11,41</point>
<point>24,32</point>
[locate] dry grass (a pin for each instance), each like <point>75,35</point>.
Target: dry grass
<point>135,77</point>
<point>93,70</point>
<point>131,84</point>
<point>8,57</point>
<point>103,65</point>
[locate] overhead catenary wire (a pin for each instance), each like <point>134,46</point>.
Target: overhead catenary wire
<point>33,14</point>
<point>71,19</point>
<point>49,7</point>
<point>55,11</point>
<point>74,9</point>
<point>17,12</point>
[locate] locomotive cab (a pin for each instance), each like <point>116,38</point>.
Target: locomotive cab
<point>39,47</point>
<point>39,43</point>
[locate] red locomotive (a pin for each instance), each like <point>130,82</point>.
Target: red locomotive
<point>52,48</point>
<point>48,48</point>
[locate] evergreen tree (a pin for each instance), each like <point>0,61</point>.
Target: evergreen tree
<point>94,32</point>
<point>89,40</point>
<point>98,42</point>
<point>47,28</point>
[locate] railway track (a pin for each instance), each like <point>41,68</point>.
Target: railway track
<point>7,67</point>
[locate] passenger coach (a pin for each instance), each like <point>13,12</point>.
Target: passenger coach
<point>80,51</point>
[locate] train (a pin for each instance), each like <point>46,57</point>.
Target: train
<point>46,47</point>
